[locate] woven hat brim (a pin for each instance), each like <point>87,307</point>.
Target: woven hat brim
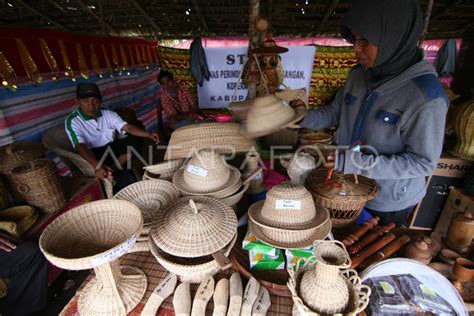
<point>318,233</point>
<point>299,114</point>
<point>165,167</point>
<point>270,50</point>
<point>233,184</point>
<point>255,213</point>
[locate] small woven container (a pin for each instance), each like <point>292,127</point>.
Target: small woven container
<point>344,198</point>
<point>164,170</point>
<point>95,235</point>
<point>233,200</point>
<point>189,270</point>
<point>325,285</point>
<point>208,174</point>
<point>18,219</point>
<point>196,227</point>
<point>222,137</point>
<point>39,184</point>
<point>149,196</point>
<point>299,166</point>
<point>269,114</point>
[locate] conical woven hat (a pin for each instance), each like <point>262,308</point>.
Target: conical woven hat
<point>269,114</point>
<point>194,227</point>
<point>92,234</point>
<point>150,196</point>
<point>207,174</point>
<point>287,205</point>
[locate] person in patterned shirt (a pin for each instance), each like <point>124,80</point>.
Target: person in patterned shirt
<point>177,102</point>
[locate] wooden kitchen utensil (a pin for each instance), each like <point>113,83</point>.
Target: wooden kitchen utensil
<point>358,258</point>
<point>370,238</point>
<point>385,252</point>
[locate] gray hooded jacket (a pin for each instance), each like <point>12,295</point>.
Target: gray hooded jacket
<point>403,120</point>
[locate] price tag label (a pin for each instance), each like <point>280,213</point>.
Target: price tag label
<point>198,171</point>
<point>288,204</point>
<point>114,253</point>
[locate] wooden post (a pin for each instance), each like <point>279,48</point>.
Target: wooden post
<point>253,42</point>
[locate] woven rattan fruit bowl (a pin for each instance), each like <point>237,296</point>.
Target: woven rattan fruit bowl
<point>95,235</point>
<point>343,195</point>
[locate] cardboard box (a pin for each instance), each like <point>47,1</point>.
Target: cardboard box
<point>260,261</point>
<point>251,243</point>
<point>450,172</point>
<point>293,256</point>
<point>458,201</point>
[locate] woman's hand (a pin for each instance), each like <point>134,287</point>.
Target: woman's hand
<point>104,172</point>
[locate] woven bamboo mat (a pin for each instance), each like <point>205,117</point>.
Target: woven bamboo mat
<point>155,273</point>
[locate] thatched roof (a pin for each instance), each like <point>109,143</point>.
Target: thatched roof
<point>162,19</point>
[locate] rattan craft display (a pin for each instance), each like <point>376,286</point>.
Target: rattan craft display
<point>252,160</point>
<point>325,285</point>
<point>298,166</point>
<point>95,235</point>
<point>18,219</point>
<point>343,195</point>
<point>200,229</point>
<point>163,170</point>
<point>464,128</point>
<point>288,218</point>
<point>208,174</point>
<point>222,137</point>
<point>39,184</point>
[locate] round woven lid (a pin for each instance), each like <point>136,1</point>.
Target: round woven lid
<point>208,174</point>
<point>287,205</point>
<point>343,186</point>
<point>150,196</point>
<point>194,227</point>
<point>92,234</point>
<point>15,154</point>
<point>269,114</point>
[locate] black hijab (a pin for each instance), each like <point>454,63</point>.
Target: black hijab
<point>394,26</point>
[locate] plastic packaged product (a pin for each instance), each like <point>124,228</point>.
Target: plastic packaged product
<point>386,298</point>
<point>421,296</point>
<point>260,261</point>
<point>293,256</point>
<point>251,243</point>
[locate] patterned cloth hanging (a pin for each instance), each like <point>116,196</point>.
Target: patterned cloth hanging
<point>7,73</point>
<point>130,53</point>
<point>124,58</point>
<point>50,60</point>
<point>115,59</point>
<point>28,62</point>
<point>95,62</point>
<point>139,56</point>
<point>66,63</point>
<point>148,53</point>
<point>144,59</point>
<point>107,60</point>
<point>83,68</point>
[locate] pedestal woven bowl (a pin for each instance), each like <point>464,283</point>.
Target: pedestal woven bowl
<point>358,293</point>
<point>95,235</point>
<point>191,270</point>
<point>222,137</point>
<point>194,227</point>
<point>343,197</point>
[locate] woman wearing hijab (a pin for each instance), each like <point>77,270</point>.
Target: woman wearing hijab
<point>391,111</point>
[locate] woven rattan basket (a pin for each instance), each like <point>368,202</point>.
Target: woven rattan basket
<point>164,170</point>
<point>341,195</point>
<point>191,270</point>
<point>233,200</point>
<point>223,137</point>
<point>464,128</point>
<point>18,219</point>
<point>95,235</point>
<point>39,184</point>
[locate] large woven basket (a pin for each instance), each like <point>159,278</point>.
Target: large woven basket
<point>223,137</point>
<point>358,293</point>
<point>39,184</point>
<point>191,270</point>
<point>18,219</point>
<point>343,197</point>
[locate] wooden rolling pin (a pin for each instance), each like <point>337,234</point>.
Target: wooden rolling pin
<point>368,225</point>
<point>386,251</point>
<point>373,248</point>
<point>370,238</point>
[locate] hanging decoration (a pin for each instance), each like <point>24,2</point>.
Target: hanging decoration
<point>67,64</point>
<point>83,68</point>
<point>115,59</point>
<point>48,55</point>
<point>139,56</point>
<point>7,73</point>
<point>124,58</point>
<point>28,62</point>
<point>130,52</point>
<point>148,53</point>
<point>107,61</point>
<point>95,62</point>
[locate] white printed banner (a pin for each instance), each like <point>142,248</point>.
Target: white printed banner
<point>226,63</point>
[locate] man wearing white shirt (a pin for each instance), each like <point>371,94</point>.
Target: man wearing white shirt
<point>91,131</point>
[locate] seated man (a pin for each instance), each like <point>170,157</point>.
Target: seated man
<point>27,271</point>
<point>91,131</point>
<point>177,102</point>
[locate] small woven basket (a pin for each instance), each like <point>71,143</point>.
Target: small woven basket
<point>18,219</point>
<point>344,198</point>
<point>233,200</point>
<point>39,184</point>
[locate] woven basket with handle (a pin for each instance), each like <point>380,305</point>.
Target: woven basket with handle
<point>39,184</point>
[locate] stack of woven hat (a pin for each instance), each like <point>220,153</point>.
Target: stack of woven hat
<point>288,218</point>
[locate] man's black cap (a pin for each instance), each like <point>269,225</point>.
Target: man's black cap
<point>87,90</point>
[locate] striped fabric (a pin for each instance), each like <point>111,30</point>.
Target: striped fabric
<point>30,111</point>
